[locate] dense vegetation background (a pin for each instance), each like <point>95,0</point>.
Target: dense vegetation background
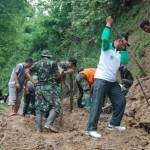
<point>66,28</point>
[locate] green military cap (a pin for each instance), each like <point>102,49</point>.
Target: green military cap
<point>45,53</point>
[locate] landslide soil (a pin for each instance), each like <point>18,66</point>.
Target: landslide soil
<point>18,133</point>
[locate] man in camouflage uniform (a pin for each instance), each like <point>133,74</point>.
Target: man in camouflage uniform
<point>126,79</point>
<point>29,98</point>
<point>85,80</point>
<point>47,91</point>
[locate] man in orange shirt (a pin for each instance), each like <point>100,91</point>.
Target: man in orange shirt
<point>85,80</point>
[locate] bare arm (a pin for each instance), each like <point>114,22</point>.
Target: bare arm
<point>16,81</point>
<point>29,77</point>
<point>69,71</point>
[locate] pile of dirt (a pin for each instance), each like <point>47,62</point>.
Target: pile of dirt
<point>138,109</point>
<point>18,133</point>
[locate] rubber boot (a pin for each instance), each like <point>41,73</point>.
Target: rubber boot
<point>79,103</point>
<point>46,114</point>
<point>25,107</point>
<point>87,100</point>
<point>50,120</point>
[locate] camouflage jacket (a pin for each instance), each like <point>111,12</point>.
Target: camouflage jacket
<point>48,83</point>
<point>46,71</point>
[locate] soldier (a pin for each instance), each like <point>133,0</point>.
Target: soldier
<point>47,91</point>
<point>85,80</point>
<point>29,99</point>
<point>126,79</point>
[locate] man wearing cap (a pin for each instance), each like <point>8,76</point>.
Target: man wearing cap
<point>105,83</point>
<point>145,25</point>
<point>47,91</point>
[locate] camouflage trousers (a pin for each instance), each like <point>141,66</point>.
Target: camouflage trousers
<point>48,96</point>
<point>84,88</point>
<point>29,101</point>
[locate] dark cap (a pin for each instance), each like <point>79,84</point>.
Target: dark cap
<point>123,36</point>
<point>29,60</point>
<point>73,61</point>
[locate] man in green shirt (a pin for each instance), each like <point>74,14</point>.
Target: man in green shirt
<point>105,82</point>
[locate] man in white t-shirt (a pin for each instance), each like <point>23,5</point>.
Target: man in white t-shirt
<point>16,83</point>
<point>105,83</point>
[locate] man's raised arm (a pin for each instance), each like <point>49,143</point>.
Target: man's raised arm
<point>106,33</point>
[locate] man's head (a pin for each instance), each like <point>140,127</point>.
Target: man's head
<point>145,25</point>
<point>81,69</point>
<point>121,41</point>
<point>72,62</point>
<point>28,62</point>
<point>122,68</point>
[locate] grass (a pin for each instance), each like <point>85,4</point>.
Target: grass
<point>1,147</point>
<point>3,107</point>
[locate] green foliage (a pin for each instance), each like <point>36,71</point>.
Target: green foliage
<point>66,27</point>
<point>12,17</point>
<point>141,46</point>
<point>72,26</point>
<point>3,108</point>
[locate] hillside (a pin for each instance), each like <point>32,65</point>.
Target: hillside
<point>129,22</point>
<point>18,133</point>
<point>68,32</point>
